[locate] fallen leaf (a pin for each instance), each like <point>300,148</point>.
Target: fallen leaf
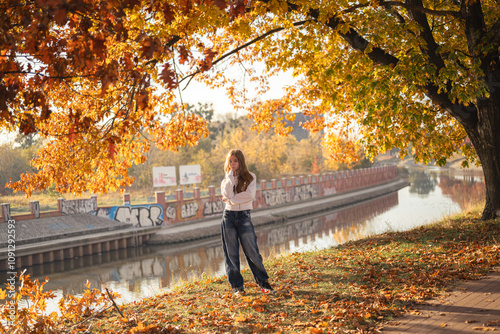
<point>493,323</point>
<point>242,318</point>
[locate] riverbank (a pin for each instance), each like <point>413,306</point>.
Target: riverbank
<point>84,234</point>
<point>357,287</point>
<point>279,214</point>
<point>354,287</point>
<point>454,163</point>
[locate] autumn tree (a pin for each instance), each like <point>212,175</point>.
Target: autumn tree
<point>419,74</point>
<point>13,161</point>
<point>97,78</point>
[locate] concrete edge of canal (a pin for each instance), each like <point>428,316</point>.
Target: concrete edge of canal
<point>276,215</point>
<point>44,245</point>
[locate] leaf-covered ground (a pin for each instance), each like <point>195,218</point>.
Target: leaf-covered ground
<point>352,288</point>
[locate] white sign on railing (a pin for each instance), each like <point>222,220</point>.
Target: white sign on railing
<point>164,176</point>
<point>190,174</point>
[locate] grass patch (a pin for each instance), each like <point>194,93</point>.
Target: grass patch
<point>350,288</point>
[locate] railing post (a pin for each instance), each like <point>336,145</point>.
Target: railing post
<point>35,209</point>
<point>93,198</point>
<point>211,193</point>
<point>196,193</point>
<point>179,195</point>
<point>126,199</point>
<point>60,204</point>
<point>160,198</point>
<point>6,212</point>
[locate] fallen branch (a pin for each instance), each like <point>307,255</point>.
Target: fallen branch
<point>114,304</point>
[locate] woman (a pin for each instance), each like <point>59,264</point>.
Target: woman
<point>238,191</point>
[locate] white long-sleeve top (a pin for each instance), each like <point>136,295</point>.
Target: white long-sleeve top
<point>241,201</point>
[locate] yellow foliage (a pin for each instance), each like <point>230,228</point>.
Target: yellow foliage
<point>341,150</point>
<point>100,86</point>
<point>31,316</point>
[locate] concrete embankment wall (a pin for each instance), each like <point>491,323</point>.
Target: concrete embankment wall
<point>164,213</point>
<point>279,214</point>
<point>72,232</point>
<point>37,241</point>
<point>277,193</point>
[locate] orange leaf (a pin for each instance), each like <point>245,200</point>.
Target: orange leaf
<point>220,3</point>
<point>258,308</point>
<point>168,76</point>
<point>61,17</point>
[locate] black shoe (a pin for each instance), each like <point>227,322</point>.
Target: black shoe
<point>239,291</point>
<point>266,287</point>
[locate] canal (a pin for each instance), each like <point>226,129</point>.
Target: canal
<point>140,272</point>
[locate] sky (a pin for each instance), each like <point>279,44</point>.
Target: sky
<point>199,92</point>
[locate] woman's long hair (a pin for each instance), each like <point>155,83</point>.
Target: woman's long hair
<point>244,177</point>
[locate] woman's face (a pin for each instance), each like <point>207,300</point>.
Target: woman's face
<point>234,164</point>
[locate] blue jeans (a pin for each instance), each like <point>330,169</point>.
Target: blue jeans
<point>237,228</point>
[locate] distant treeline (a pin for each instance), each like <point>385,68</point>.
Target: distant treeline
<point>268,155</point>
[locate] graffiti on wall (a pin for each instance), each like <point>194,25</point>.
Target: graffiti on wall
<point>329,191</point>
<point>211,208</point>
<point>276,197</point>
<point>170,212</point>
<point>281,196</point>
<point>303,192</point>
<point>189,210</point>
<point>135,215</point>
<point>74,206</point>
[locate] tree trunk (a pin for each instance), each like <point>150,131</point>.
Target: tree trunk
<point>484,131</point>
<point>485,136</point>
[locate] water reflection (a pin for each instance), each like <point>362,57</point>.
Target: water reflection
<point>139,272</point>
<point>144,271</point>
<point>421,181</point>
<point>462,190</point>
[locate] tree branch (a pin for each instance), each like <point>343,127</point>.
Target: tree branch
<point>422,9</point>
<point>395,13</point>
<point>495,32</point>
<point>255,40</point>
<point>379,56</point>
<point>46,75</point>
<point>426,33</point>
<point>475,26</point>
<point>358,42</point>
